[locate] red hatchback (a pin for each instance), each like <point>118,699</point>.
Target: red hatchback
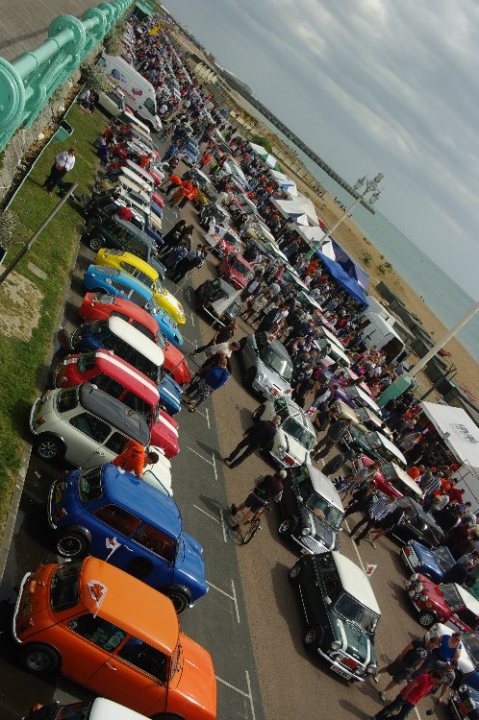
<point>120,379</point>
<point>447,603</point>
<point>236,270</point>
<point>96,306</point>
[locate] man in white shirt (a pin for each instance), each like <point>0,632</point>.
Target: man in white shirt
<point>64,162</point>
<point>226,348</point>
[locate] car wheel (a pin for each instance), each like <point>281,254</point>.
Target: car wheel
<point>250,377</point>
<point>257,413</point>
<point>295,571</point>
<point>40,659</point>
<point>286,528</point>
<point>310,637</point>
<point>179,599</point>
<point>72,544</point>
<point>94,244</point>
<point>48,447</point>
<point>426,619</point>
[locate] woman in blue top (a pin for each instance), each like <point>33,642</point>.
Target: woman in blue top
<point>210,377</point>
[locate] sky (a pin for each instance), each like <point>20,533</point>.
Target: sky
<point>389,85</point>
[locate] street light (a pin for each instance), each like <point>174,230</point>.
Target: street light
<point>364,187</point>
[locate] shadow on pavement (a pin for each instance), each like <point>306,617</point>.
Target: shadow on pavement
<point>353,709</point>
<point>288,606</point>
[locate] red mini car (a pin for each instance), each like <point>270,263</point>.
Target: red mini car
<point>96,306</point>
<point>447,603</point>
<point>236,270</point>
<point>120,379</point>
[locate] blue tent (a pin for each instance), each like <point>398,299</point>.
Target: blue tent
<point>348,283</point>
<point>352,269</point>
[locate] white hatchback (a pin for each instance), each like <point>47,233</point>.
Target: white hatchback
<point>295,437</point>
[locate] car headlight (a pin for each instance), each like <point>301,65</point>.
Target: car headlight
<point>423,597</point>
<point>335,645</point>
<point>305,532</point>
<point>419,588</point>
<point>411,593</point>
<point>414,577</point>
<point>372,669</point>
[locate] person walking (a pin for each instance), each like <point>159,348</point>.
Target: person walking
<point>268,490</point>
<point>134,457</point>
<point>64,162</point>
<point>409,696</point>
<point>377,513</point>
<point>211,376</point>
<point>410,660</point>
<point>337,429</point>
<point>258,436</point>
<point>222,336</point>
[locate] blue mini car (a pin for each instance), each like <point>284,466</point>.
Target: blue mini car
<point>431,563</point>
<point>113,515</point>
<point>100,278</point>
<point>190,152</point>
<point>97,335</point>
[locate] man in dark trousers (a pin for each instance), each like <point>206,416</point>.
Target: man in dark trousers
<point>337,428</point>
<point>259,436</point>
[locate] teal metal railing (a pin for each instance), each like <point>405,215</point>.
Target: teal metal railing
<point>27,83</point>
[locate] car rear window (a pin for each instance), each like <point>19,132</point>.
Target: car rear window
<point>86,362</point>
<point>64,587</point>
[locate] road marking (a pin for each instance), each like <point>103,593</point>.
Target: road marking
<point>211,517</point>
<point>233,687</point>
<point>200,456</point>
<point>233,590</point>
<point>207,417</point>
<point>193,321</point>
<point>223,526</point>
<point>253,714</point>
<point>190,342</point>
<point>223,592</point>
<point>215,472</point>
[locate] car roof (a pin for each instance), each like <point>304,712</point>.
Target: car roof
<point>139,264</point>
<point>277,346</point>
<point>355,581</point>
<point>133,379</point>
<point>407,480</point>
<point>469,600</point>
<point>136,339</point>
<point>389,445</point>
<point>133,230</point>
<point>324,487</point>
<point>228,289</point>
<point>297,412</point>
<point>114,412</point>
<point>128,602</point>
<point>103,709</point>
<point>143,499</point>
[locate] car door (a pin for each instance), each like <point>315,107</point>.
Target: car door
<point>136,675</point>
<point>84,435</point>
<point>153,556</point>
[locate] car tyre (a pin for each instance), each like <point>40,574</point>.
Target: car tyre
<point>256,414</point>
<point>295,572</point>
<point>48,447</point>
<point>94,243</point>
<point>179,599</point>
<point>310,638</point>
<point>426,619</point>
<point>72,545</point>
<point>40,659</point>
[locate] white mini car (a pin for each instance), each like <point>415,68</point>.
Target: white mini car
<point>295,437</point>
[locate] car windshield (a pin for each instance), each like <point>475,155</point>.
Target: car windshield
<point>451,596</point>
<point>277,363</point>
<point>242,269</point>
<point>471,644</point>
<point>150,106</point>
<point>360,615</point>
<point>89,485</point>
<point>299,433</point>
<point>444,558</point>
<point>64,587</point>
<point>75,711</point>
<point>320,506</point>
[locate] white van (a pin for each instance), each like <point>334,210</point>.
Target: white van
<point>139,92</point>
<point>379,333</point>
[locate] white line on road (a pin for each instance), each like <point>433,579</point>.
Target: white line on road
<point>233,687</point>
<point>211,517</point>
<point>223,592</point>
<point>223,526</point>
<point>215,472</point>
<point>233,589</point>
<point>253,714</point>
<point>193,321</point>
<point>200,456</point>
<point>208,418</point>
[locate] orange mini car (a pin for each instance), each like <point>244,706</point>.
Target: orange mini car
<point>116,636</point>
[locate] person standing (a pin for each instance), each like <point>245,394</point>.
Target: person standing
<point>409,697</point>
<point>410,660</point>
<point>337,429</point>
<point>64,162</point>
<point>222,336</point>
<point>211,376</point>
<point>258,436</point>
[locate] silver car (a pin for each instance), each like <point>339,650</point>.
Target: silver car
<point>267,366</point>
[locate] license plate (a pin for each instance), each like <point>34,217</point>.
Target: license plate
<point>340,672</point>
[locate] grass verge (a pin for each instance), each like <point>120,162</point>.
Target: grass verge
<point>21,360</point>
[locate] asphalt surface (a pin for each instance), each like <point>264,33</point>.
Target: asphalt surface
<point>250,619</point>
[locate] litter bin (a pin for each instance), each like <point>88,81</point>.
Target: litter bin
<point>63,132</point>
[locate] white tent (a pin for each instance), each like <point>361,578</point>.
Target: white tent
<point>312,235</point>
<point>299,206</point>
<point>301,220</point>
<point>461,435</point>
<point>285,183</point>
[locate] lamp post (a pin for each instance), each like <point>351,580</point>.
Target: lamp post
<point>369,187</point>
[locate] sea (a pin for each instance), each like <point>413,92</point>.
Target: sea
<point>440,293</point>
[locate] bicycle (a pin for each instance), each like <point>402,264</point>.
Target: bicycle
<point>252,526</point>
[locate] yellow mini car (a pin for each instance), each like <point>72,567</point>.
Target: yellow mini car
<point>131,264</point>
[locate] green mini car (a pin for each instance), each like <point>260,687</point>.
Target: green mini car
<point>341,613</point>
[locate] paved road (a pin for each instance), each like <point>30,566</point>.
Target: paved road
<point>250,619</point>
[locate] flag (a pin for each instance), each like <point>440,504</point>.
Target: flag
<point>98,592</point>
<point>156,29</point>
<point>112,545</point>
